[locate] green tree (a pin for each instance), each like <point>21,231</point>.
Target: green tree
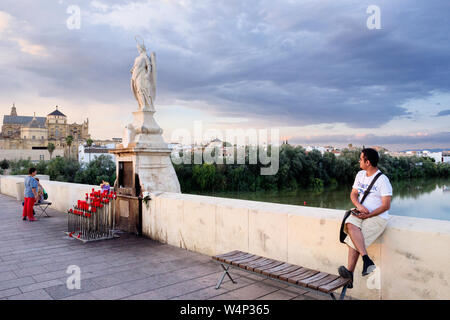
<point>89,143</point>
<point>20,166</point>
<point>204,176</point>
<point>51,147</point>
<point>4,164</point>
<point>62,169</point>
<point>101,168</point>
<point>69,140</point>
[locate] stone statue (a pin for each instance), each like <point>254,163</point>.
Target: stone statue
<point>142,142</point>
<point>143,79</point>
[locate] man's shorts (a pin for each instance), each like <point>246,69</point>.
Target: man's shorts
<point>371,228</point>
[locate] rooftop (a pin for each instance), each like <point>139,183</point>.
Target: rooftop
<point>23,120</point>
<point>57,113</point>
<point>34,257</point>
<point>34,123</point>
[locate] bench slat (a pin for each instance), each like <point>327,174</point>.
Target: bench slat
<point>252,263</point>
<point>236,257</point>
<point>268,272</point>
<point>260,263</point>
<point>238,263</point>
<point>271,265</point>
<point>220,257</point>
<point>339,282</point>
<point>302,276</point>
<point>319,276</point>
<point>286,276</point>
<point>278,273</point>
<point>244,264</point>
<point>316,284</point>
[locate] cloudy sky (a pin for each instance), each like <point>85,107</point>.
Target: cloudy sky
<point>312,69</point>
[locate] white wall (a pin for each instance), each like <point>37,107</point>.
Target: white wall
<point>63,195</point>
<point>84,157</point>
<point>32,154</point>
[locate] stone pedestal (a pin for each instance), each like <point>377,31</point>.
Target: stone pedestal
<point>152,170</point>
<point>146,157</point>
<point>143,165</point>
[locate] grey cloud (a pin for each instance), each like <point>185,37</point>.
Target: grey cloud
<point>443,113</point>
<point>441,139</point>
<point>291,63</point>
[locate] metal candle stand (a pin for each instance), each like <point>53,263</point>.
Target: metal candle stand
<point>94,218</point>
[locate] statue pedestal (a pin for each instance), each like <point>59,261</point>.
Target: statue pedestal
<point>146,133</point>
<point>141,169</point>
<point>143,164</point>
<point>143,159</point>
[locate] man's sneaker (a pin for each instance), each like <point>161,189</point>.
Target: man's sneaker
<point>345,273</point>
<point>368,266</point>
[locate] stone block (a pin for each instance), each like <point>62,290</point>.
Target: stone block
<point>268,234</point>
<point>199,227</point>
<point>231,229</point>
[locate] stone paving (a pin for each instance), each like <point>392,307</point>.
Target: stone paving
<point>34,257</point>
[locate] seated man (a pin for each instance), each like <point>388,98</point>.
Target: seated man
<point>363,229</point>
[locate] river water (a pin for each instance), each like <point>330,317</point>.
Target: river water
<point>415,198</point>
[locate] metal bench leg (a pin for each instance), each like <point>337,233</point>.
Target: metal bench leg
<point>344,289</point>
<point>342,296</point>
<point>45,211</point>
<point>225,272</point>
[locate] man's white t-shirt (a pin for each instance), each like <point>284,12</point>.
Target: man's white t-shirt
<point>381,188</point>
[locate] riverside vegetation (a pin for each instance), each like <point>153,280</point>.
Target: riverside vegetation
<point>67,170</point>
<point>297,170</point>
<point>301,170</point>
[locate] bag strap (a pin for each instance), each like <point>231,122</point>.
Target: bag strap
<point>366,193</point>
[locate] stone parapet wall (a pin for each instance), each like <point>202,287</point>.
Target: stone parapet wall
<point>63,195</point>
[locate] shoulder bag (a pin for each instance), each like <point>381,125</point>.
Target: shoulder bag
<point>342,234</point>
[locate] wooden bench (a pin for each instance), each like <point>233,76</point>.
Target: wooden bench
<point>287,273</point>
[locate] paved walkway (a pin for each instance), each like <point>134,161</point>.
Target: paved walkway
<point>34,257</point>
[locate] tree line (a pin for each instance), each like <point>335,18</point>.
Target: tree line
<point>67,170</point>
<point>299,169</point>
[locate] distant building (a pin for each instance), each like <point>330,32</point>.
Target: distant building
<point>337,153</point>
<point>26,132</point>
<point>34,155</point>
<point>87,154</point>
<point>437,156</point>
<point>322,150</point>
<point>380,149</point>
<point>446,156</point>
